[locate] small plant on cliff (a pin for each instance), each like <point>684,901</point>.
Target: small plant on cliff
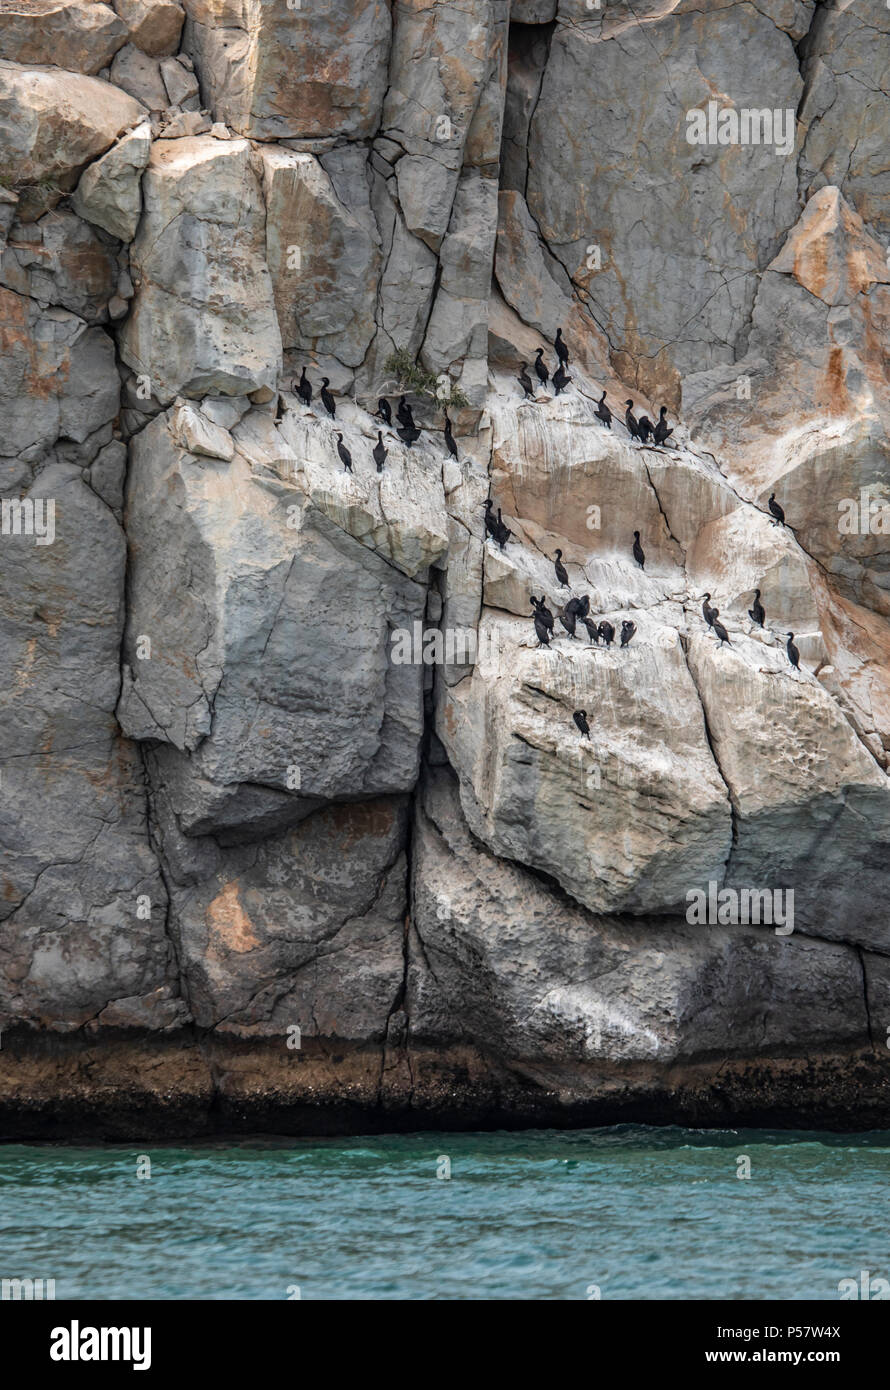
<point>410,376</point>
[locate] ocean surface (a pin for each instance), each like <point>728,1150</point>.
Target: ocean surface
<point>631,1212</point>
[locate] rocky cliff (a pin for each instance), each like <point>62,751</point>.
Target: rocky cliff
<point>298,830</point>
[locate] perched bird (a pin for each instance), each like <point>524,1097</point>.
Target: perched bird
<point>543,612</point>
<point>525,382</point>
<point>708,613</point>
<point>627,631</point>
<point>561,379</point>
<point>580,718</point>
<point>719,629</point>
<point>304,388</point>
<point>607,633</point>
<point>567,618</point>
<point>593,631</point>
<point>541,629</point>
<point>661,431</point>
<point>645,427</point>
<point>409,435</point>
<point>327,399</point>
<point>793,653</point>
<point>384,411</point>
<point>380,452</point>
<point>756,612</point>
<point>344,453</point>
<point>638,552</point>
<point>502,533</point>
<point>562,573</point>
<point>404,414</point>
<point>579,606</point>
<point>630,420</point>
<point>603,412</point>
<point>542,372</point>
<point>491,525</point>
<point>776,510</point>
<point>449,437</point>
<point>560,349</point>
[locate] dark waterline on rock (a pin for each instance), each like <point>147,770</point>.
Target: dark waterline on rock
<point>639,1212</point>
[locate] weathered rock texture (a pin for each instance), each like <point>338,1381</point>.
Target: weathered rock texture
<point>298,830</point>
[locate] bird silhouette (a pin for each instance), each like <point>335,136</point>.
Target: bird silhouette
<point>580,718</point>
<point>344,453</point>
<point>756,612</point>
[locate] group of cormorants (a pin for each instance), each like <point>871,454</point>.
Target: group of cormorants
<point>575,611</point>
<point>757,614</point>
<point>639,429</point>
<point>409,432</point>
<point>560,377</point>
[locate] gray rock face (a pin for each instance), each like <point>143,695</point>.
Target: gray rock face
<point>80,35</point>
<point>496,958</point>
<point>676,303</point>
<point>274,72</point>
<point>52,124</point>
<point>109,193</point>
<point>276,936</point>
<point>203,319</point>
<point>284,754</point>
<point>83,901</point>
<point>281,633</point>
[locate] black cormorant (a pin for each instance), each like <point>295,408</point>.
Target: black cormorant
<point>603,412</point>
<point>327,399</point>
<point>543,611</point>
<point>627,631</point>
<point>409,435</point>
<point>542,372</point>
<point>344,453</point>
<point>449,437</point>
<point>756,612</point>
<point>561,379</point>
<point>719,629</point>
<point>593,631</point>
<point>562,573</point>
<point>661,431</point>
<point>793,653</point>
<point>491,525</point>
<point>525,381</point>
<point>502,533</point>
<point>630,420</point>
<point>707,611</point>
<point>646,427</point>
<point>380,452</point>
<point>638,552</point>
<point>567,618</point>
<point>776,510</point>
<point>405,414</point>
<point>304,388</point>
<point>384,411</point>
<point>607,633</point>
<point>560,348</point>
<point>541,629</point>
<point>580,718</point>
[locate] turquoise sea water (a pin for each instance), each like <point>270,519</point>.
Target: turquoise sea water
<point>640,1213</point>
